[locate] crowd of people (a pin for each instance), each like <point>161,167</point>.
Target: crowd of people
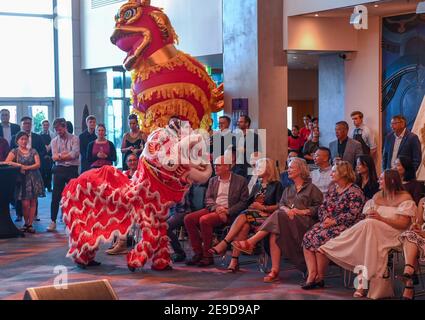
<point>329,205</point>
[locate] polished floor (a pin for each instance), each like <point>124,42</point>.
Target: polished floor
<point>31,262</point>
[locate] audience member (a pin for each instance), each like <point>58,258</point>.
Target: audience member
<point>306,130</point>
<point>404,167</point>
<point>132,164</point>
<point>30,184</point>
<point>311,146</point>
<point>133,141</point>
<point>368,242</point>
<point>287,226</point>
<point>88,136</point>
<point>223,139</point>
<point>363,134</point>
<point>401,142</point>
<point>263,201</point>
<point>284,178</point>
<point>101,152</point>
<point>226,197</point>
<point>46,162</point>
<point>247,142</point>
<point>255,156</point>
<point>66,155</point>
<point>367,179</point>
<point>4,149</point>
<point>315,122</point>
<point>340,210</point>
<point>295,142</point>
<point>321,177</point>
<point>344,148</point>
<point>414,251</point>
<point>7,129</point>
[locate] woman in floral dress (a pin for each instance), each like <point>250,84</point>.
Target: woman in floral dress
<point>340,210</point>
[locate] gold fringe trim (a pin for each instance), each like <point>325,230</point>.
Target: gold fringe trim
<point>175,90</point>
<point>181,59</point>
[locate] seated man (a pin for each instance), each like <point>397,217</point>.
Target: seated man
<point>227,195</point>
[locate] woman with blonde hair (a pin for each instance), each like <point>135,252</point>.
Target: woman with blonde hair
<point>286,226</point>
<point>340,210</point>
<point>263,200</point>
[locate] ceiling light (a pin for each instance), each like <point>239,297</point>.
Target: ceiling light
<point>420,8</point>
<point>376,5</point>
<point>316,15</point>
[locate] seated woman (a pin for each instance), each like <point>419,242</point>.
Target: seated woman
<point>286,227</point>
<point>367,179</point>
<point>101,152</point>
<point>413,247</point>
<point>369,241</point>
<point>263,200</point>
<point>406,170</point>
<point>340,210</point>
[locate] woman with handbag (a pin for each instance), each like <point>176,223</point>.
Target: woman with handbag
<point>30,183</point>
<point>368,243</point>
<point>264,199</point>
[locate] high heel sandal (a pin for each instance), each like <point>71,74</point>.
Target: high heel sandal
<point>236,267</point>
<point>273,276</point>
<point>406,278</point>
<point>214,251</point>
<point>243,246</point>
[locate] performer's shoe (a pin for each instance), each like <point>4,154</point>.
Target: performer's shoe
<point>132,269</point>
<point>166,268</point>
<point>119,248</point>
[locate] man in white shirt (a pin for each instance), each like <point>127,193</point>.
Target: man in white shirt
<point>321,177</point>
<point>363,134</point>
<point>226,196</point>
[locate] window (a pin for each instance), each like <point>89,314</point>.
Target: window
<point>289,117</point>
<point>27,60</point>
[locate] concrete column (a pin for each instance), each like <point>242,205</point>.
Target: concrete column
<point>331,96</point>
<point>255,67</point>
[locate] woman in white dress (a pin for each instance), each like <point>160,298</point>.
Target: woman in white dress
<point>414,248</point>
<point>368,243</point>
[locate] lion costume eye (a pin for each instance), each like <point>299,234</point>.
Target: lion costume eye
<point>130,13</point>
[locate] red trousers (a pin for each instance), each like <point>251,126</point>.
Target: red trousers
<point>200,226</point>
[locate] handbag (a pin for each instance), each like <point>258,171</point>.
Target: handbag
<point>381,288</point>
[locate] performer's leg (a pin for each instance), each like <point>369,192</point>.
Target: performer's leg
<point>161,259</point>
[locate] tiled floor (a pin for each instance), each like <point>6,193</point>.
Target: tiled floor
<point>31,262</point>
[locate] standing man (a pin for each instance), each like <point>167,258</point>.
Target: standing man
<point>86,137</point>
<point>401,142</point>
<point>222,139</point>
<point>66,155</point>
<point>7,129</point>
<point>363,134</point>
<point>344,148</point>
<point>247,142</point>
<point>46,162</point>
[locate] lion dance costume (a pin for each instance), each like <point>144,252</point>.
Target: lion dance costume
<point>167,83</point>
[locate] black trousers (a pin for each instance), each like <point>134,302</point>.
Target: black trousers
<point>174,222</point>
<point>46,172</point>
<point>61,176</point>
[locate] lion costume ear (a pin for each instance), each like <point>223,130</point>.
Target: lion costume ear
<point>164,24</point>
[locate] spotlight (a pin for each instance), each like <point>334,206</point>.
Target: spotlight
<point>359,18</point>
<point>420,8</point>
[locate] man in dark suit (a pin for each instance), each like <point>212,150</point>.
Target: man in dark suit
<point>401,142</point>
<point>7,129</point>
<point>345,148</point>
<point>86,137</point>
<point>226,196</point>
<point>246,143</point>
<point>35,142</point>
